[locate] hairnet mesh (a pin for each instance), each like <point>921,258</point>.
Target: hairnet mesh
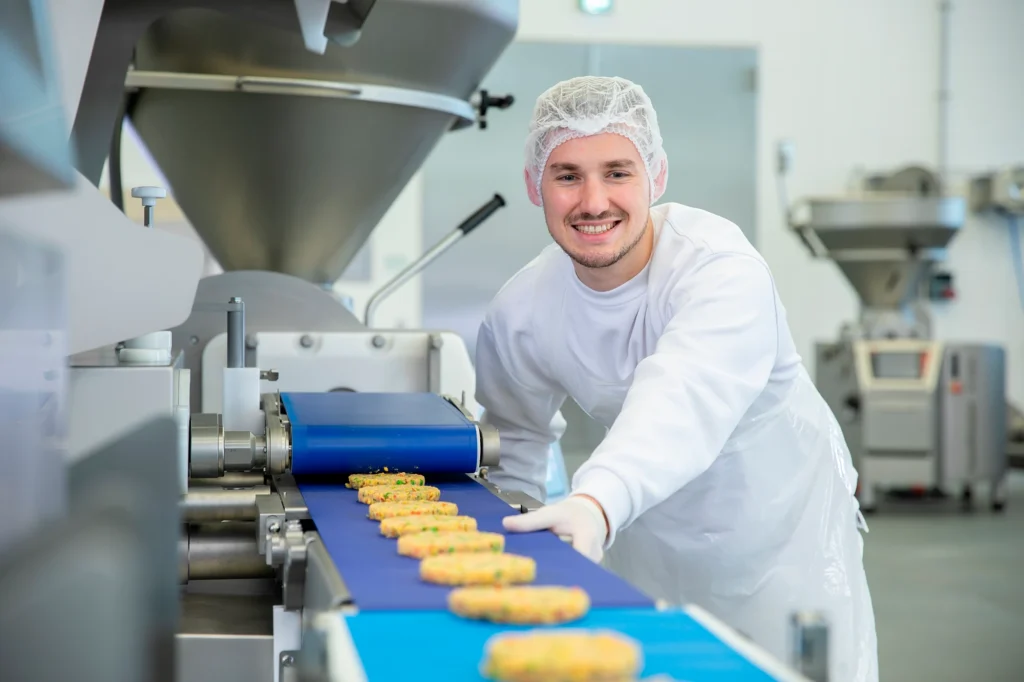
<point>591,105</point>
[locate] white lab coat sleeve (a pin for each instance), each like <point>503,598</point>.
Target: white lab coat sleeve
<point>522,404</point>
<point>713,359</point>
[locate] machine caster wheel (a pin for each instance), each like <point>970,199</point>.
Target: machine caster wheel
<point>999,495</point>
<point>967,499</point>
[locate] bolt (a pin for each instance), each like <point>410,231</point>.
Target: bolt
<point>378,341</point>
<point>306,341</point>
<point>194,340</point>
<point>274,526</point>
<point>250,341</point>
<point>235,299</point>
<point>436,342</point>
<point>287,660</point>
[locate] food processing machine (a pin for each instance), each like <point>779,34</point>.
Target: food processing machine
<point>917,413</point>
<point>175,510</point>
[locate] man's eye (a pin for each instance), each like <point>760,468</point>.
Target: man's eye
<point>619,175</point>
<point>566,178</point>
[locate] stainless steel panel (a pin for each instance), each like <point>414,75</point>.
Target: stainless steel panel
<point>885,280</point>
<point>226,638</point>
<point>34,154</point>
<point>33,384</point>
<point>121,25</point>
<point>885,242</point>
<point>324,587</point>
<point>294,506</point>
<point>886,221</point>
<point>301,180</point>
<point>139,475</point>
<point>273,302</point>
<point>972,399</point>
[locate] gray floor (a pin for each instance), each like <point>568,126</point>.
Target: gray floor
<point>947,588</point>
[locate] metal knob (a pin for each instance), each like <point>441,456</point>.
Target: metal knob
<point>149,196</point>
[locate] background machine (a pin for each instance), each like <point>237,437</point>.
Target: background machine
<point>916,412</point>
<point>172,443</point>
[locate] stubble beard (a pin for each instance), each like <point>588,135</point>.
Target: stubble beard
<point>598,261</point>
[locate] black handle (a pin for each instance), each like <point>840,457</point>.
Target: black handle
<point>488,101</point>
<point>481,214</point>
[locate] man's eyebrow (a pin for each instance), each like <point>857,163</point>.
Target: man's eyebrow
<point>621,163</point>
<point>562,167</point>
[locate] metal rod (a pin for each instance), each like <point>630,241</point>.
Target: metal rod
<point>945,11</point>
<point>236,333</point>
<point>467,226</point>
<point>200,506</point>
<point>224,551</point>
<point>234,479</point>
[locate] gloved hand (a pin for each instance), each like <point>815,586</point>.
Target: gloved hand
<point>579,518</point>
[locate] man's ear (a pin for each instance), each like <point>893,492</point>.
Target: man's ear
<point>531,188</point>
<point>660,181</point>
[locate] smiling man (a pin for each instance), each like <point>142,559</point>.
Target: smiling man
<point>723,479</point>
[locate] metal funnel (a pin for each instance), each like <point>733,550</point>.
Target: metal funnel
<point>285,160</point>
<point>885,243</point>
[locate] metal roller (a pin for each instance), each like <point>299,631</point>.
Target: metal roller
<point>208,505</point>
<point>221,551</point>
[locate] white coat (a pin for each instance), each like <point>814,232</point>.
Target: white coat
<point>724,475</point>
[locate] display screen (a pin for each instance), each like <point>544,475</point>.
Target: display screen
<point>892,365</point>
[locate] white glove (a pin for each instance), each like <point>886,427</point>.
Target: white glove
<point>579,518</point>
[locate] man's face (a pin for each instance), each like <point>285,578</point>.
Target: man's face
<point>596,198</point>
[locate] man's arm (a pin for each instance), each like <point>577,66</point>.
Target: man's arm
<point>712,361</point>
<point>522,405</point>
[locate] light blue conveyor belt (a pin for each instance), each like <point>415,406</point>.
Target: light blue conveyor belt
<point>673,643</point>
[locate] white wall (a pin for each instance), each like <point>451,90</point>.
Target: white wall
<point>855,85</point>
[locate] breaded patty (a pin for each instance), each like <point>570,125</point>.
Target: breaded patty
<point>398,493</point>
<point>437,523</point>
<point>364,480</point>
<point>521,605</point>
<point>432,543</point>
<point>387,510</point>
<point>560,655</point>
<point>478,569</point>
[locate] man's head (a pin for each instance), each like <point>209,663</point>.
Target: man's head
<point>595,163</point>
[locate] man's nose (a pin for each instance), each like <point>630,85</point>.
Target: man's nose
<point>595,198</point>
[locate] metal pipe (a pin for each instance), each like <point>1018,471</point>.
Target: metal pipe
<point>234,479</point>
<point>200,506</point>
<point>467,226</point>
<point>236,333</point>
<point>945,12</point>
<point>223,551</point>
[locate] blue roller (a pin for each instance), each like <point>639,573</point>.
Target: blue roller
<point>345,433</point>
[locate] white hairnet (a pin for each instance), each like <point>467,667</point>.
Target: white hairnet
<point>591,105</point>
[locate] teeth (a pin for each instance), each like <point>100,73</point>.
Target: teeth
<point>595,229</point>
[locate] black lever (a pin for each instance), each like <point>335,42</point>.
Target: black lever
<point>488,101</point>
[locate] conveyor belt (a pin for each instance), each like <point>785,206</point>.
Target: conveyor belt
<point>674,644</point>
<point>344,433</point>
<point>399,613</point>
<point>381,579</point>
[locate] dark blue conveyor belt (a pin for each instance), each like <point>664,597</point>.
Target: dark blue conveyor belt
<point>381,579</point>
